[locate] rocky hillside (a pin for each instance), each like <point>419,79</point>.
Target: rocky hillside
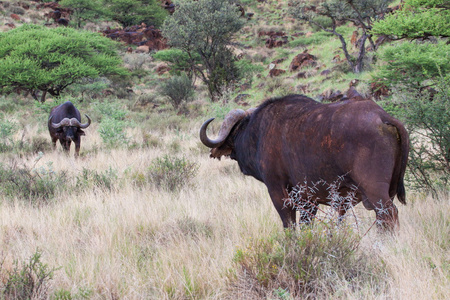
<point>293,57</point>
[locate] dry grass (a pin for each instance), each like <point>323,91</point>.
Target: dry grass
<point>145,243</point>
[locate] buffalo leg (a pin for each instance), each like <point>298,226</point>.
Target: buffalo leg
<point>287,214</point>
<point>54,140</point>
<point>77,148</point>
<point>377,198</point>
<point>66,144</point>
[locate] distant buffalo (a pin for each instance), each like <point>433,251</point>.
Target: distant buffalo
<point>64,124</point>
<point>293,141</point>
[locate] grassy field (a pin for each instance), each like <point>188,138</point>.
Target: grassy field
<point>144,213</point>
<point>120,236</point>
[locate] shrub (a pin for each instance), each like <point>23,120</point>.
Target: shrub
<point>171,173</point>
<point>427,118</point>
<point>37,186</point>
<point>178,89</point>
<point>106,180</point>
<point>29,280</point>
<point>113,133</point>
<point>7,129</point>
<point>179,60</point>
<point>40,144</point>
<point>315,260</point>
<point>247,69</point>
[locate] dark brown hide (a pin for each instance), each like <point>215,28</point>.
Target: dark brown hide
<point>294,139</point>
<point>64,124</point>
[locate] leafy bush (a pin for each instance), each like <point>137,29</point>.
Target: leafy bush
<point>29,280</point>
<point>113,133</point>
<point>178,89</point>
<point>247,69</point>
<point>40,144</point>
<point>112,125</point>
<point>427,118</point>
<point>37,186</point>
<point>106,180</point>
<point>316,260</point>
<point>171,173</point>
<point>179,60</point>
<point>7,129</point>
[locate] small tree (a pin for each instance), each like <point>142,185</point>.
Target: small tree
<point>135,12</point>
<point>35,58</point>
<point>205,28</point>
<point>328,14</point>
<point>84,10</point>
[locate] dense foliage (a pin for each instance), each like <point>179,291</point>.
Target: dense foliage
<point>135,12</point>
<point>418,63</point>
<point>205,28</point>
<point>427,118</point>
<point>35,58</point>
<point>417,19</point>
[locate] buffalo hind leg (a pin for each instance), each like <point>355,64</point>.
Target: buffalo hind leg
<point>287,214</point>
<point>377,198</point>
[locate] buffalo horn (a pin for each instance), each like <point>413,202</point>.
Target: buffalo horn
<point>69,122</point>
<point>64,122</point>
<point>85,125</point>
<point>231,119</point>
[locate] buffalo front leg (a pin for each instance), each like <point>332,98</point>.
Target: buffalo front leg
<point>66,144</point>
<point>54,140</point>
<point>77,149</point>
<point>286,213</point>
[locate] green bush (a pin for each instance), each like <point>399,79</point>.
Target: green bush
<point>247,69</point>
<point>105,180</point>
<point>29,280</point>
<point>113,133</point>
<point>37,186</point>
<point>179,60</point>
<point>7,129</point>
<point>171,173</point>
<point>315,260</point>
<point>178,89</point>
<point>427,118</point>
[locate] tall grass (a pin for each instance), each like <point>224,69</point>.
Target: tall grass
<point>127,242</point>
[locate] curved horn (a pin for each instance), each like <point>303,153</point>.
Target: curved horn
<point>64,122</point>
<point>231,119</point>
<point>85,125</point>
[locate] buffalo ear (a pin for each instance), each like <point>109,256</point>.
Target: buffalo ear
<point>219,152</point>
<point>80,132</point>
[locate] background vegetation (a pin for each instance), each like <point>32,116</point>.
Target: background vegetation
<point>143,213</point>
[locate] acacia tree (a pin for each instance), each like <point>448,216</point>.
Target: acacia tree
<point>84,10</point>
<point>205,29</point>
<point>35,58</point>
<point>361,13</point>
<point>134,12</point>
<point>419,60</point>
<point>422,60</point>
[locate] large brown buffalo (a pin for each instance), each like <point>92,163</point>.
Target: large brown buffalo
<point>293,140</point>
<point>64,124</point>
